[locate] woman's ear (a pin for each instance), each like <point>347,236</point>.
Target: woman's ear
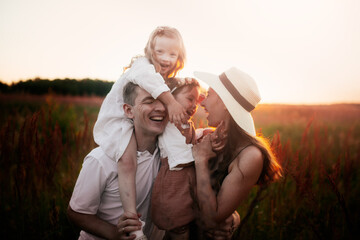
<point>128,110</point>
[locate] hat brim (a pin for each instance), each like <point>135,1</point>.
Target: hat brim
<point>242,117</point>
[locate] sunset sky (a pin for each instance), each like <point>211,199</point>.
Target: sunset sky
<point>304,51</point>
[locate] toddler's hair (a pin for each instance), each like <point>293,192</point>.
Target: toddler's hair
<point>170,33</point>
<point>176,83</point>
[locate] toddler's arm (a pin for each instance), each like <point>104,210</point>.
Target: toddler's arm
<point>188,131</point>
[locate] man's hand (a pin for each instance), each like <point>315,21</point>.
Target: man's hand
<point>98,227</point>
<point>128,222</point>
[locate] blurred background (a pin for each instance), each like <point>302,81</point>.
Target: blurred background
<point>298,51</point>
<point>58,60</point>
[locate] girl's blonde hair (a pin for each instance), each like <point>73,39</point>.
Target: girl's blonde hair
<point>170,33</point>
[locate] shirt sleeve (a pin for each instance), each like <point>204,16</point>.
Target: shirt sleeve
<point>89,187</point>
<point>143,73</point>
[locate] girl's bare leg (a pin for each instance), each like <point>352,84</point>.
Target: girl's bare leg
<point>126,167</point>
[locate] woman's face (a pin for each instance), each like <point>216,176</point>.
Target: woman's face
<point>215,108</point>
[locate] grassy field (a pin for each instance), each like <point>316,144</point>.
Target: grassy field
<point>44,139</point>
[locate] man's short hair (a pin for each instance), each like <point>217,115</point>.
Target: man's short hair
<point>130,93</point>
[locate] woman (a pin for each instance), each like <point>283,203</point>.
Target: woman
<point>224,179</point>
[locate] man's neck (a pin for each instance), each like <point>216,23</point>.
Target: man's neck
<point>146,143</point>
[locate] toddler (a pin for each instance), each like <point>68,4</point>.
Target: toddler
<point>172,205</point>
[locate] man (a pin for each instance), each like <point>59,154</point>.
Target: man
<point>95,204</point>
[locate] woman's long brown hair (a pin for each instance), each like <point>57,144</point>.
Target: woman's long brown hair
<point>219,165</point>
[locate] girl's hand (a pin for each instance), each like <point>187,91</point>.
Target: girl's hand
<point>128,222</point>
<point>219,138</point>
<point>177,113</point>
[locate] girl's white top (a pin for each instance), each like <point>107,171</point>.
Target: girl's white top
<point>113,130</point>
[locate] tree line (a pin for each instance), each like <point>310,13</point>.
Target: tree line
<point>74,87</point>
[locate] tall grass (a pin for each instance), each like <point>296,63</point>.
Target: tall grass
<point>43,143</point>
<point>40,157</point>
<point>318,195</point>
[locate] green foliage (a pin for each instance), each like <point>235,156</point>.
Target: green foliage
<point>59,86</point>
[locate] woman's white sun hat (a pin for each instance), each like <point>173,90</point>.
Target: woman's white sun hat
<point>239,93</point>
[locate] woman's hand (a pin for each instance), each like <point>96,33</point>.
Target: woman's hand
<point>211,144</point>
<point>226,229</point>
<point>203,151</point>
<point>128,222</point>
<point>219,138</point>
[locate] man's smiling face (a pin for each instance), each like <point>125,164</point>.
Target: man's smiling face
<point>149,115</point>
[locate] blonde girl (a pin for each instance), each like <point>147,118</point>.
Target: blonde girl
<point>113,132</point>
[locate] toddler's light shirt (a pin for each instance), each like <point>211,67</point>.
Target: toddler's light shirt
<point>173,145</point>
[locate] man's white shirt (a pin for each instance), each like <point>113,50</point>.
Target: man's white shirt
<point>97,190</point>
